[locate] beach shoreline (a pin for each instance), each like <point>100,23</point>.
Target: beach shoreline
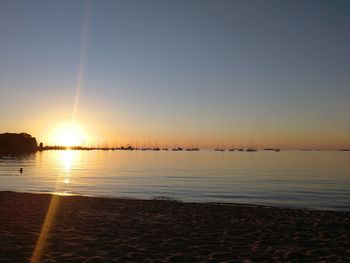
<point>96,229</point>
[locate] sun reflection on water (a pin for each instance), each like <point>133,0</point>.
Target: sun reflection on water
<point>68,160</point>
<point>66,180</point>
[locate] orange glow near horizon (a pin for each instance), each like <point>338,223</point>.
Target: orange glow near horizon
<point>68,135</point>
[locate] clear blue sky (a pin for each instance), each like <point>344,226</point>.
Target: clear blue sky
<point>212,72</point>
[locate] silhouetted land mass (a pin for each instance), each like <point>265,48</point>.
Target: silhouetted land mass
<point>193,149</point>
<point>219,150</point>
<point>176,149</point>
<point>272,149</point>
<point>251,150</point>
<point>17,143</point>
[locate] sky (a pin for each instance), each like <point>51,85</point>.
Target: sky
<point>207,73</point>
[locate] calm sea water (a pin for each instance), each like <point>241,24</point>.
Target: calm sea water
<point>319,180</point>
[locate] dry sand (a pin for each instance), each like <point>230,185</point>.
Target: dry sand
<point>117,230</point>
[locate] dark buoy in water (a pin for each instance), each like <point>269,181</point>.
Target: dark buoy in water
<point>20,170</point>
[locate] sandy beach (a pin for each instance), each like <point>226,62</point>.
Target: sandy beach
<point>85,229</point>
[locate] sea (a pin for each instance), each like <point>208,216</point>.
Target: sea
<point>295,179</point>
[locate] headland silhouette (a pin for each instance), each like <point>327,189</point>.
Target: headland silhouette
<point>17,143</point>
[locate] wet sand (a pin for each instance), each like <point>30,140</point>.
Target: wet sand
<point>85,229</point>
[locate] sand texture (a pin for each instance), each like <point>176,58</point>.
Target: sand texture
<point>84,229</point>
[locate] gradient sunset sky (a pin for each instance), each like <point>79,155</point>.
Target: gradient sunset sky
<point>179,72</point>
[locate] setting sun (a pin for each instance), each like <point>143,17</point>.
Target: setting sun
<point>68,135</point>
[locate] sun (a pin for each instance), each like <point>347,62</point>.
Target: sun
<point>69,134</point>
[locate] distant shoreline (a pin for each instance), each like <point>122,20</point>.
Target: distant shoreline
<point>80,148</point>
<point>19,153</point>
<point>23,143</point>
